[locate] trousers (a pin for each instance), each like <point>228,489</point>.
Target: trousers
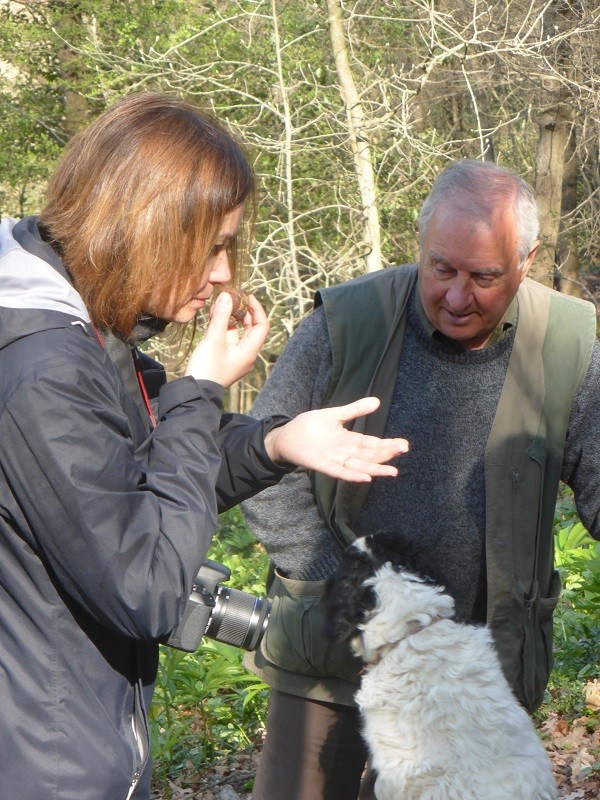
<point>312,751</point>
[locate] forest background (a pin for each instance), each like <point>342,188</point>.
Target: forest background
<point>348,110</point>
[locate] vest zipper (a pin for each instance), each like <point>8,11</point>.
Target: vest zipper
<point>515,477</point>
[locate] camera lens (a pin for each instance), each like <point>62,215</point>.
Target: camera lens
<point>238,618</point>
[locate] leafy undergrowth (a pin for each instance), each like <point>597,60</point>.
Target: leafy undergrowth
<point>573,747</point>
<point>233,771</point>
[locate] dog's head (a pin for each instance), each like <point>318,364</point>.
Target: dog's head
<point>385,587</point>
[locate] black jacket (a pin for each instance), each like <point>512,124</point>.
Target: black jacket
<point>103,526</point>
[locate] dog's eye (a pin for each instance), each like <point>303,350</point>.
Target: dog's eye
<point>368,601</point>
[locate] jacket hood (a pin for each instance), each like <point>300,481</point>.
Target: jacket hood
<point>35,292</point>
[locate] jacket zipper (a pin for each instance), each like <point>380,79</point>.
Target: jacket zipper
<point>140,739</point>
<point>134,783</point>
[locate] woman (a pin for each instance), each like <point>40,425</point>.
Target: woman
<point>111,479</point>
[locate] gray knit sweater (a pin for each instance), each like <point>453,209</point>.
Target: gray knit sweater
<point>444,403</point>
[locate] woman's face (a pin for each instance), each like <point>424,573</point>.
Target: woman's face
<point>216,272</point>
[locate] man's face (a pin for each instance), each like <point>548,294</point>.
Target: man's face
<point>469,272</point>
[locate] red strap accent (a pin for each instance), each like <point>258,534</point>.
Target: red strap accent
<point>97,332</point>
<point>140,377</point>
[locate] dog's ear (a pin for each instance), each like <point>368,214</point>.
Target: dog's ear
<point>347,600</point>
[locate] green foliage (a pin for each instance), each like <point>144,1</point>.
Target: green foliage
<point>577,556</point>
<point>55,76</point>
<point>237,548</point>
<point>206,704</point>
<point>577,618</point>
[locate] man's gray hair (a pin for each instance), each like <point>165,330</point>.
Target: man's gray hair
<point>476,187</point>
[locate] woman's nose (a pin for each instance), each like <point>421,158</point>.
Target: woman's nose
<point>221,271</point>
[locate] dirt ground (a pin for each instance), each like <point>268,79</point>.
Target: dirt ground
<point>573,747</point>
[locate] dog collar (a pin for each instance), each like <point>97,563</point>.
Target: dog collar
<point>413,628</point>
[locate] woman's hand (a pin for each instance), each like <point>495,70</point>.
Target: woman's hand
<point>224,355</point>
<point>319,441</point>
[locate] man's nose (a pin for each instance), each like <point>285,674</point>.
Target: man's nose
<point>460,294</point>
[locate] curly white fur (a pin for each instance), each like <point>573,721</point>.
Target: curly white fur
<point>439,717</point>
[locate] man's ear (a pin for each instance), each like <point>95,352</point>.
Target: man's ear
<point>530,259</point>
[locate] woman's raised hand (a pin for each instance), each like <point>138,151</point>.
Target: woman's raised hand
<point>225,355</point>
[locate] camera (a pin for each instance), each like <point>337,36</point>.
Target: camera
<point>221,613</point>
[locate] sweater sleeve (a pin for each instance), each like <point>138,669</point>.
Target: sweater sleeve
<point>582,448</point>
<point>285,517</point>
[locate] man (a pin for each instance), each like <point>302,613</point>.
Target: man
<point>494,380</point>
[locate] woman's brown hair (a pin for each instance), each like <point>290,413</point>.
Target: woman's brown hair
<point>136,202</point>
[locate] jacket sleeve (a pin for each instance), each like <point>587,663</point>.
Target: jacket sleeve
<point>121,530</point>
<point>245,465</point>
<point>285,518</point>
<point>582,447</point>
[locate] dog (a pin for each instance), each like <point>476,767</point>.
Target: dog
<point>439,718</point>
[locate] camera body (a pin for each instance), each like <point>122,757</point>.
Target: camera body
<point>227,615</point>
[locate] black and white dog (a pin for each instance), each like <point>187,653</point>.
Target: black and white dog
<point>439,718</point>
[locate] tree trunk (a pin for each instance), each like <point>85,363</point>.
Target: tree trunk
<point>567,257</point>
<point>486,132</point>
<point>359,139</point>
<point>555,123</point>
<point>550,161</point>
<point>70,24</point>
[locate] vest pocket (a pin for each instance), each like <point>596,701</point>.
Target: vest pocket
<point>536,653</point>
<point>295,638</point>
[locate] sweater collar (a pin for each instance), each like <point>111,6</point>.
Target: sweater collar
<point>508,321</point>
